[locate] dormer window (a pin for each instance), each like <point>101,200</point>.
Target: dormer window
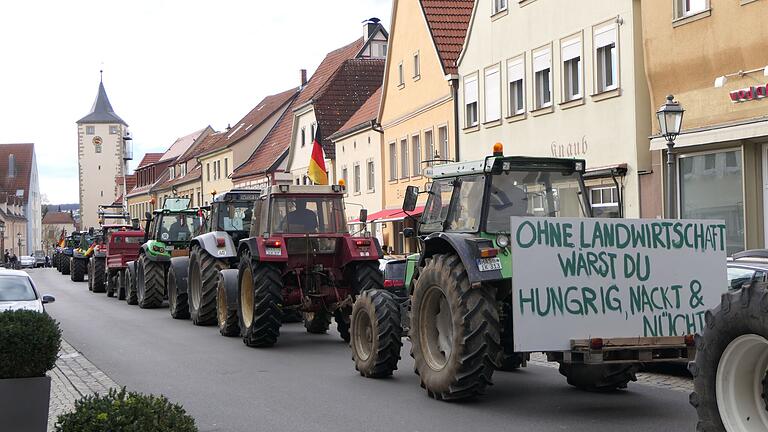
<point>173,172</point>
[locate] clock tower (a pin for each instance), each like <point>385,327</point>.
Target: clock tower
<point>103,151</point>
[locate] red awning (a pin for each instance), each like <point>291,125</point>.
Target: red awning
<point>389,215</point>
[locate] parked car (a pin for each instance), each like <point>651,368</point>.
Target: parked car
<point>747,266</point>
<point>26,261</point>
<point>18,291</point>
<point>39,258</point>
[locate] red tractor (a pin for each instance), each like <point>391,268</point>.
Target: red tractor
<point>122,247</point>
<point>299,256</point>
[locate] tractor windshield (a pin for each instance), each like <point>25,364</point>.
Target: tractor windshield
<point>309,214</point>
<point>234,216</point>
<point>536,193</point>
<point>178,228</point>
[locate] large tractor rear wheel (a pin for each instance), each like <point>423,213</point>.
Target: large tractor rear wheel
<point>260,300</point>
<point>150,283</point>
<point>368,276</point>
<point>79,269</point>
<point>177,289</point>
<point>226,303</point>
<point>376,333</point>
<point>599,378</point>
<point>454,331</point>
<point>130,284</point>
<point>99,271</point>
<point>730,373</point>
<point>120,284</point>
<point>65,265</point>
<point>203,277</point>
<point>317,322</point>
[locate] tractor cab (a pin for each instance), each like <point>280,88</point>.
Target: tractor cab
<point>170,229</point>
<point>232,212</point>
<point>481,196</point>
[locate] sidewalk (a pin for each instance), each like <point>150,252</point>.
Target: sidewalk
<point>73,377</point>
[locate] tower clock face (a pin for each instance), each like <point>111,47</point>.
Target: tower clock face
<point>97,140</point>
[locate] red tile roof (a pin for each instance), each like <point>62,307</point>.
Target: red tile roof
<point>366,114</point>
<point>209,142</point>
<point>23,155</point>
<point>448,21</point>
<point>149,159</point>
<point>258,115</point>
<point>58,218</point>
<point>194,174</point>
<point>272,149</point>
<point>181,145</point>
<point>327,68</point>
<point>349,88</point>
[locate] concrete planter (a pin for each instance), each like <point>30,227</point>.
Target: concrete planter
<point>24,404</point>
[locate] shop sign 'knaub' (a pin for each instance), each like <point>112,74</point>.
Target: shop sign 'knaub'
<point>749,93</point>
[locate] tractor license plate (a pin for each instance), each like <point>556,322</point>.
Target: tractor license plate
<point>488,264</point>
<point>274,251</point>
<point>169,248</point>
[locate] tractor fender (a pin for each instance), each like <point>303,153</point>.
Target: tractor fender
<point>249,244</point>
<point>153,257</point>
<point>131,265</point>
<point>229,278</point>
<point>207,242</point>
<point>466,247</point>
<point>181,268</point>
<point>79,255</point>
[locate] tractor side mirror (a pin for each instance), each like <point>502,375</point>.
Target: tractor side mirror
<point>148,216</point>
<point>409,232</point>
<point>363,218</point>
<point>410,198</point>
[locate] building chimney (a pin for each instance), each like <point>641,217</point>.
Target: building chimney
<point>303,77</point>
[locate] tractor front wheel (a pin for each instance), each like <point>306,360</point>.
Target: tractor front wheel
<point>317,322</point>
<point>111,284</point>
<point>65,265</point>
<point>454,331</point>
<point>130,285</point>
<point>203,274</point>
<point>150,283</point>
<point>99,271</point>
<point>598,378</point>
<point>376,333</point>
<point>259,306</point>
<point>226,303</point>
<point>79,269</point>
<point>177,294</point>
<point>120,285</point>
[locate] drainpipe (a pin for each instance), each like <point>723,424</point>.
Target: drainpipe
<point>453,81</point>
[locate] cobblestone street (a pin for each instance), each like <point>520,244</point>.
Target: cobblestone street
<point>73,377</point>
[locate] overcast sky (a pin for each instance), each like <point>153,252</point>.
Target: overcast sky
<point>170,67</point>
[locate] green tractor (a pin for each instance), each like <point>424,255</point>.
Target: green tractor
<point>167,234</point>
<point>72,241</point>
<point>81,257</point>
<point>458,311</point>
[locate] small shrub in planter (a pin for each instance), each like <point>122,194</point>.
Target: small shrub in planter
<point>29,344</point>
<point>122,411</point>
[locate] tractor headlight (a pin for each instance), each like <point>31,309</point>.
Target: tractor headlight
<point>502,241</point>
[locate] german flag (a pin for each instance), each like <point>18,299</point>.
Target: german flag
<point>317,172</point>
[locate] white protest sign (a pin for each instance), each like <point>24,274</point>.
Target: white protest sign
<point>584,278</point>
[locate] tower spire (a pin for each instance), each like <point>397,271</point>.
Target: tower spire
<point>101,75</point>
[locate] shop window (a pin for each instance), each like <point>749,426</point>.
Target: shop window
<point>606,57</point>
<point>492,94</point>
<point>470,101</point>
<point>604,201</point>
<point>542,70</point>
<point>714,193</point>
<point>516,87</point>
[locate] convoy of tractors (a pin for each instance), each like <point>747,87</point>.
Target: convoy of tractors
<point>255,257</point>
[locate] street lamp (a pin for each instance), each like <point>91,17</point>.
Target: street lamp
<point>670,116</point>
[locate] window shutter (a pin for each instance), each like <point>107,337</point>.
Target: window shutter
<point>571,49</point>
<point>470,90</point>
<point>492,94</point>
<point>541,60</point>
<point>605,36</point>
<point>515,70</point>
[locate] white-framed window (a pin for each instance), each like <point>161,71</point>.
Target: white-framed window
<point>442,137</point>
<point>371,174</point>
<point>226,167</point>
<point>172,171</point>
<point>303,136</point>
<point>416,154</point>
<point>542,75</point>
<point>97,148</point>
<point>570,54</point>
<point>429,144</point>
<point>606,57</point>
<point>113,130</point>
<point>684,8</point>
<point>404,158</point>
<point>492,93</point>
<point>356,173</point>
<point>516,86</point>
<point>345,176</point>
<point>604,201</point>
<point>470,101</point>
<point>392,161</point>
<point>400,74</point>
<point>416,65</point>
<point>90,130</point>
<point>498,6</point>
